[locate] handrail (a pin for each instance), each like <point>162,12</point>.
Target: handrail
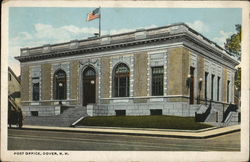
<point>12,101</point>
<point>229,117</point>
<point>230,108</point>
<point>202,117</point>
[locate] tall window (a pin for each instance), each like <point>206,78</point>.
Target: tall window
<point>36,89</point>
<point>9,77</point>
<point>121,80</point>
<point>218,88</point>
<point>212,88</point>
<point>206,77</point>
<point>60,86</point>
<point>157,81</point>
<point>228,89</point>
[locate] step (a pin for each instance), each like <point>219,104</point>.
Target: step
<point>69,116</point>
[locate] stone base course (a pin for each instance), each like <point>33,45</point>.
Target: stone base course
<point>42,110</point>
<point>133,109</point>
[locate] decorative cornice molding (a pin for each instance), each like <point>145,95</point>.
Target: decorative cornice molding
<point>96,48</point>
<point>184,36</point>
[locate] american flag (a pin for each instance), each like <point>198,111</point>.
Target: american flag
<point>94,14</point>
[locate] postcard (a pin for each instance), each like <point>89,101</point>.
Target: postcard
<point>125,81</point>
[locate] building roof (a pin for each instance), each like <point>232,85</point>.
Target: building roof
<point>124,40</point>
<point>13,74</point>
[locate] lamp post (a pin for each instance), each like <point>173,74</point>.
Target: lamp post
<point>189,86</point>
<point>189,80</point>
<point>60,86</point>
<point>200,86</point>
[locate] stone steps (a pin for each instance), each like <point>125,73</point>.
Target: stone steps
<point>69,116</point>
<point>233,120</point>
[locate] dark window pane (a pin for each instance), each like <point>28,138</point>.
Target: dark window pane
<point>212,87</point>
<point>218,88</point>
<point>120,112</point>
<point>228,88</point>
<point>34,113</point>
<point>206,77</point>
<point>157,81</point>
<point>35,91</point>
<point>89,72</point>
<point>60,86</point>
<point>9,77</point>
<point>156,112</point>
<point>121,81</point>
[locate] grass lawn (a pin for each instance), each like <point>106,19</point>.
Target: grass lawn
<point>161,122</point>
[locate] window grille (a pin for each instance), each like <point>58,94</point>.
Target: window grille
<point>121,80</point>
<point>157,81</point>
<point>36,90</point>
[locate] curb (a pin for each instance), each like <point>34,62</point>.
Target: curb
<point>152,129</point>
<point>149,133</point>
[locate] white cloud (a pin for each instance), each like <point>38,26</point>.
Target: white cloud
<point>199,26</point>
<point>221,39</point>
<point>46,34</point>
<point>124,30</point>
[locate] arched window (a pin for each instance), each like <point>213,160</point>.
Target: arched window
<point>60,85</point>
<point>89,72</point>
<point>121,80</point>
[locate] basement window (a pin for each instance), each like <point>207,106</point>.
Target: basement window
<point>156,112</point>
<point>34,113</point>
<point>120,112</point>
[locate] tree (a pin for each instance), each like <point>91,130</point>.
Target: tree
<point>233,43</point>
<point>238,78</point>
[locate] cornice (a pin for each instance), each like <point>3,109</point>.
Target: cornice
<point>185,34</point>
<point>97,48</point>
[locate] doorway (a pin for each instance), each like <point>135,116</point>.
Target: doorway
<point>88,86</point>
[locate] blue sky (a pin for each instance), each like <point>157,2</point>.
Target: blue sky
<point>36,26</point>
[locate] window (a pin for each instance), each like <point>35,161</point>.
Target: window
<point>121,80</point>
<point>206,77</point>
<point>212,88</point>
<point>157,81</point>
<point>120,112</point>
<point>35,91</point>
<point>228,89</point>
<point>218,88</point>
<point>9,77</point>
<point>34,113</point>
<point>89,72</point>
<point>156,112</point>
<point>60,86</point>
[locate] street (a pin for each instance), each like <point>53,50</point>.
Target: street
<point>19,139</point>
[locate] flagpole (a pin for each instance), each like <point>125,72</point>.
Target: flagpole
<point>100,22</point>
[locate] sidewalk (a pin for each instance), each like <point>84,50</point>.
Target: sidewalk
<point>205,133</point>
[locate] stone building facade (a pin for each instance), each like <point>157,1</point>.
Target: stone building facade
<point>14,87</point>
<point>169,70</point>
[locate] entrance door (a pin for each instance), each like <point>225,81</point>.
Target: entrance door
<point>89,86</point>
<point>191,101</point>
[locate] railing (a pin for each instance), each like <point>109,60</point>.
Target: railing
<point>202,117</point>
<point>228,119</point>
<point>230,108</point>
<point>13,104</point>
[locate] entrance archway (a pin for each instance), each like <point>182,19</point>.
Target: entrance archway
<point>88,86</point>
